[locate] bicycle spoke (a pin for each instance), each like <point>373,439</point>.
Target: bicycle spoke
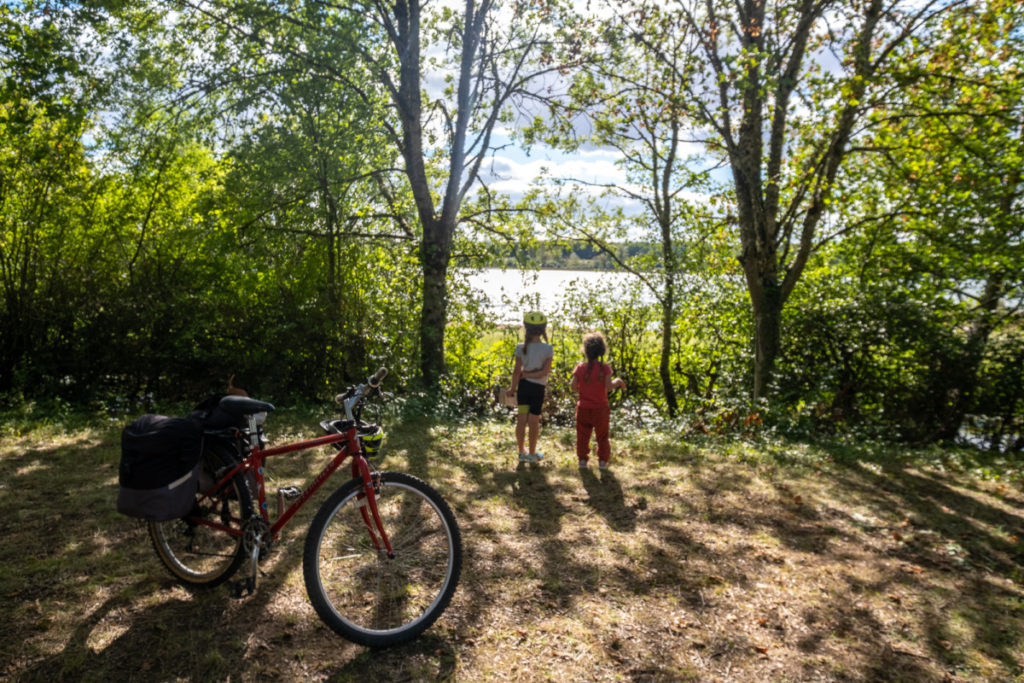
<point>198,554</point>
<point>367,596</point>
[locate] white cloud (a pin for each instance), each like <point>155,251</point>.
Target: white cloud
<point>514,172</point>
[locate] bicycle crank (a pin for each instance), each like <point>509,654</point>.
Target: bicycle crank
<point>256,539</point>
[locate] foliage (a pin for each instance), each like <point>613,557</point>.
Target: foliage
<point>223,190</point>
<point>910,312</point>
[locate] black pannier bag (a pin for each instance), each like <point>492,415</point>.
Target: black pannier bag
<point>159,472</point>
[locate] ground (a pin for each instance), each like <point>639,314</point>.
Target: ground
<point>711,559</point>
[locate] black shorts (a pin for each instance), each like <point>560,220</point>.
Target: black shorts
<point>529,396</point>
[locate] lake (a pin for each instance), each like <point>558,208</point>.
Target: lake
<point>511,292</point>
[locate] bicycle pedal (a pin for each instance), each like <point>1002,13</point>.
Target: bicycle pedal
<point>290,492</point>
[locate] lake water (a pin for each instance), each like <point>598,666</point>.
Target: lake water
<point>510,292</point>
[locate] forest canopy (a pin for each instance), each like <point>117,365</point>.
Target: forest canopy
<point>820,200</point>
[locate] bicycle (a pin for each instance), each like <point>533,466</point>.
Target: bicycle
<point>382,556</point>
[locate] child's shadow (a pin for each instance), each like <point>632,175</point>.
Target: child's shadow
<point>530,490</point>
<point>607,498</point>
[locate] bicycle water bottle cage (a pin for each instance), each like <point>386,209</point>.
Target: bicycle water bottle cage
<point>243,406</point>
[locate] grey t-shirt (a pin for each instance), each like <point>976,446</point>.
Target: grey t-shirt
<point>536,353</point>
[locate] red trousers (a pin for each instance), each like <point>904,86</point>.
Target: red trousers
<point>592,420</point>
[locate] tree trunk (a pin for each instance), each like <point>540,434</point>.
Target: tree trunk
<point>667,316</point>
<point>960,396</point>
<point>434,256</point>
<point>767,307</point>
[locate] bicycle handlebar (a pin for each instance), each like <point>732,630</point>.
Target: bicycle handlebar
<point>377,377</point>
<point>355,395</point>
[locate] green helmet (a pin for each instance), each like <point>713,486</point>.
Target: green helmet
<point>535,318</point>
<point>371,438</point>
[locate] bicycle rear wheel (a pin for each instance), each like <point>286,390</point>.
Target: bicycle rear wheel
<point>199,555</point>
<point>362,594</point>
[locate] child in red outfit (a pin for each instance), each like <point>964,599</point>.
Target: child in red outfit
<point>592,380</point>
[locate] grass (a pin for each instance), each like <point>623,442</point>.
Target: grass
<point>708,559</point>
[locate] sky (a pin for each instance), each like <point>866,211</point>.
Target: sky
<point>514,168</point>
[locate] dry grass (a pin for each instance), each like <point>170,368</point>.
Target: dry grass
<point>723,560</point>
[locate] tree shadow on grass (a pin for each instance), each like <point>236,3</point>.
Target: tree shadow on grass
<point>201,634</point>
<point>530,490</point>
<point>172,639</point>
<point>711,547</point>
<point>720,541</point>
<point>968,537</point>
<point>427,658</point>
<point>605,495</point>
<point>825,533</point>
<point>546,555</point>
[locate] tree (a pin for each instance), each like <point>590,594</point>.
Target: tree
<point>47,190</point>
<point>633,103</point>
<point>940,186</point>
<point>786,85</point>
<point>498,52</point>
<point>451,77</point>
<point>636,104</point>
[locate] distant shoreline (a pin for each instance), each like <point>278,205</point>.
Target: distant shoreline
<point>509,291</point>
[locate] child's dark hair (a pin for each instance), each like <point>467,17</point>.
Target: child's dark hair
<point>534,331</point>
<point>594,348</point>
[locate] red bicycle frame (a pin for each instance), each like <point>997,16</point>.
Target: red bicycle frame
<point>256,461</point>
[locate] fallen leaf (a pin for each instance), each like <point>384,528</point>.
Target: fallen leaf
<point>898,536</point>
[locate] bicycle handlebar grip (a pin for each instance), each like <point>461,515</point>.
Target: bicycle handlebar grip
<point>377,377</point>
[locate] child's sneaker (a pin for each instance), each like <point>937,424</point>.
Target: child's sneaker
<point>523,457</point>
<point>536,457</point>
<point>603,464</point>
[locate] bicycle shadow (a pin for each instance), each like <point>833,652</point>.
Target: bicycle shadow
<point>605,496</point>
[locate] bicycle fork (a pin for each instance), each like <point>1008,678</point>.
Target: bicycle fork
<point>367,504</point>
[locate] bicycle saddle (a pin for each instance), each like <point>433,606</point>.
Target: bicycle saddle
<point>243,405</point>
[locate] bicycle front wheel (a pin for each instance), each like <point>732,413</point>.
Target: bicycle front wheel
<point>205,548</point>
<point>361,593</point>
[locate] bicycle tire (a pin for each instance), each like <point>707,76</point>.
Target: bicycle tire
<point>200,556</point>
<point>363,595</point>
